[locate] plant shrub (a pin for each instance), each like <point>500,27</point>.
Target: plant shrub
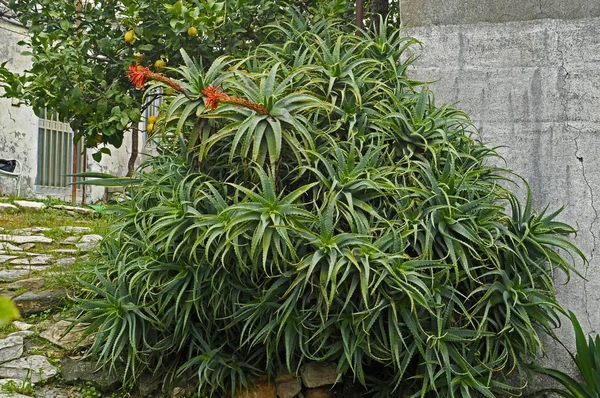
<point>311,203</point>
<point>587,359</point>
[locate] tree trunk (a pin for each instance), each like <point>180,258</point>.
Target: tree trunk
<point>134,151</point>
<point>360,14</point>
<point>379,10</point>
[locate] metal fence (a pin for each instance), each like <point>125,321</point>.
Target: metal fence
<point>55,152</point>
<point>151,110</point>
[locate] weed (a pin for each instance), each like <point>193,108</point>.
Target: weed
<point>39,317</point>
<point>5,330</point>
<point>89,391</point>
<point>24,387</point>
<point>198,394</point>
<point>56,234</point>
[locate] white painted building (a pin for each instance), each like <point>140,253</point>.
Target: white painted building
<point>44,145</point>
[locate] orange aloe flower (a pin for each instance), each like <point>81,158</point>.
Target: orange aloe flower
<point>138,75</point>
<point>214,96</point>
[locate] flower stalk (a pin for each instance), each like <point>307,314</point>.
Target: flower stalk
<point>138,75</point>
<point>214,97</point>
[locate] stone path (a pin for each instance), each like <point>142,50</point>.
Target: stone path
<point>34,355</point>
<point>24,251</point>
<point>42,358</point>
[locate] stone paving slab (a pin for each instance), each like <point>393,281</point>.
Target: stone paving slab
<point>30,231</point>
<point>11,348</point>
<point>36,302</point>
<point>35,367</point>
<point>76,230</point>
<point>22,325</point>
<point>81,210</point>
<point>64,251</point>
<point>30,205</point>
<point>7,206</point>
<point>71,240</point>
<point>27,284</point>
<point>57,334</point>
<point>65,261</point>
<point>39,259</point>
<point>18,239</point>
<point>4,258</point>
<point>9,247</point>
<point>73,370</point>
<point>10,275</point>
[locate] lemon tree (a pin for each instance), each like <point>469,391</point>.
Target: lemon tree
<point>80,52</point>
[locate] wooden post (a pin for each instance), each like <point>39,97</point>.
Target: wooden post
<point>73,178</point>
<point>360,14</point>
<point>83,154</point>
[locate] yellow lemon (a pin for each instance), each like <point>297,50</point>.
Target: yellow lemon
<point>192,32</point>
<point>129,36</point>
<point>159,64</point>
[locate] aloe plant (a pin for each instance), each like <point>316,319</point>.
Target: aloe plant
<point>587,359</point>
<point>312,203</point>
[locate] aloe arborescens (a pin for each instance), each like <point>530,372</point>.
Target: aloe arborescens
<point>352,221</point>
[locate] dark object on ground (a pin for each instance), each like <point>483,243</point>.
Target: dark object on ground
<point>8,165</point>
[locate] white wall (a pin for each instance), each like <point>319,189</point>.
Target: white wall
<point>17,124</point>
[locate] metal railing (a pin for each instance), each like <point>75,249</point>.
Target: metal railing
<point>55,152</point>
<point>151,110</point>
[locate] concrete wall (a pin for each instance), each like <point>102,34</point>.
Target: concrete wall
<point>19,132</point>
<point>458,12</point>
<point>17,123</point>
<point>530,84</point>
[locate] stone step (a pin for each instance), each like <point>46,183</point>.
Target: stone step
<point>35,302</point>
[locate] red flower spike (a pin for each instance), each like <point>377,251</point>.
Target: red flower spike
<point>137,75</point>
<point>213,96</point>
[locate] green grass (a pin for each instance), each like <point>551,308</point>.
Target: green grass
<point>68,277</point>
<point>48,218</point>
<point>56,234</point>
<point>5,330</point>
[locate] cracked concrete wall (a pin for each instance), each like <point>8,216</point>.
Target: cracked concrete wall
<point>18,124</point>
<point>19,132</point>
<point>454,12</point>
<point>533,88</point>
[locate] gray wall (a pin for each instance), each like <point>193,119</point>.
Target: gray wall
<point>528,73</point>
<point>456,12</point>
